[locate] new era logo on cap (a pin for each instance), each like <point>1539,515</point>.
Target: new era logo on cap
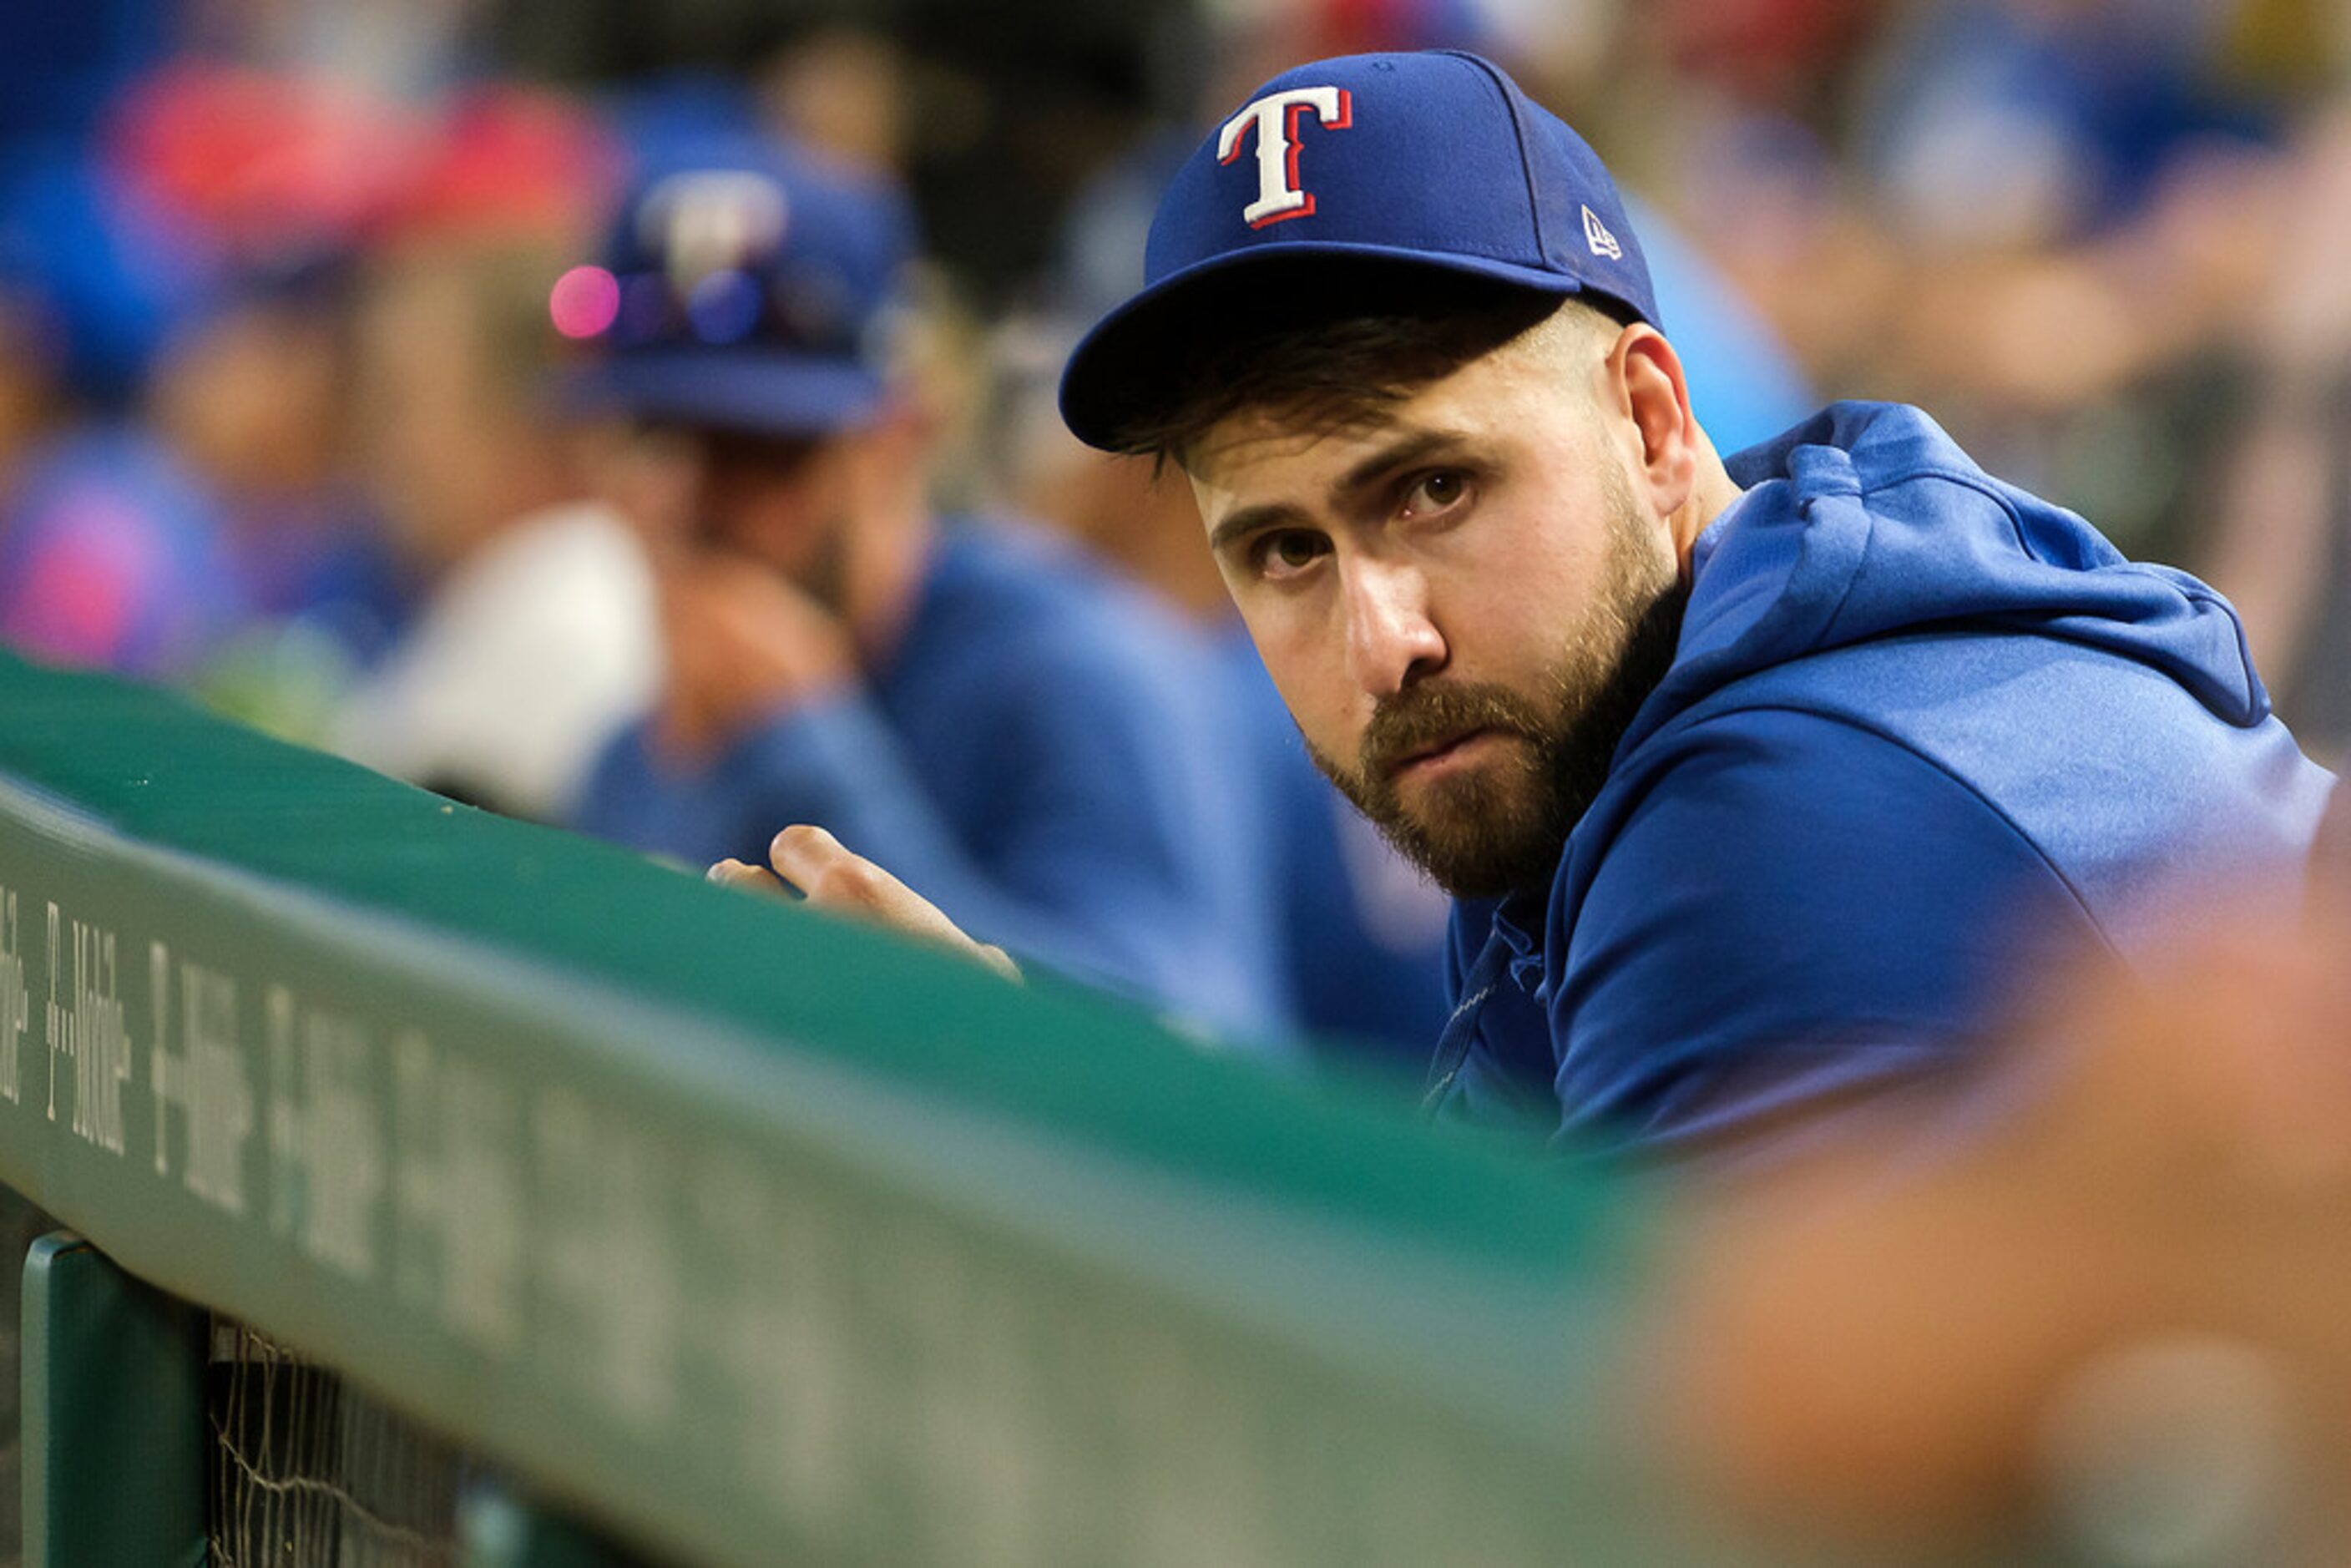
<point>1433,160</point>
<point>1596,235</point>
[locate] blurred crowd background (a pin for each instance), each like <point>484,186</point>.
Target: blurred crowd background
<point>287,289</point>
<point>283,292</point>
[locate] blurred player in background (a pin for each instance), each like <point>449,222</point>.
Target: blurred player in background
<point>535,640</point>
<point>1758,785</point>
<point>112,549</point>
<point>1024,739</point>
<point>252,390</point>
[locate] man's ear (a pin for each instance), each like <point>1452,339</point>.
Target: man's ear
<point>1646,375</point>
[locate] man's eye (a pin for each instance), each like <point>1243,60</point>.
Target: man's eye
<point>1435,491</point>
<point>1287,551</point>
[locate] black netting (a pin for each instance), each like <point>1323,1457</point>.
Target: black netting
<point>307,1471</point>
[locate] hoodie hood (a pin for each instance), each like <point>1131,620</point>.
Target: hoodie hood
<point>1867,521</point>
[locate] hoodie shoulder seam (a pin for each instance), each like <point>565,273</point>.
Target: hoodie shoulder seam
<point>1972,479</point>
<point>1859,727</point>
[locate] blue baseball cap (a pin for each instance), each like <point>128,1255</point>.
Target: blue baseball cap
<point>1433,160</point>
<point>746,285</point>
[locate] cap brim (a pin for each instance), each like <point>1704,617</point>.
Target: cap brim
<point>765,394</point>
<point>1118,374</point>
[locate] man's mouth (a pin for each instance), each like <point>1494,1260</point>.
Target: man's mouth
<point>1438,753</point>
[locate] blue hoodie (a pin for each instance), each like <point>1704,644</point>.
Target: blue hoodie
<point>1922,731</point>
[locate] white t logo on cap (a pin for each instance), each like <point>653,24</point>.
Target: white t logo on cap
<point>1278,194</point>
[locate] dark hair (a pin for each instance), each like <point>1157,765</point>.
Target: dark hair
<point>1329,343</point>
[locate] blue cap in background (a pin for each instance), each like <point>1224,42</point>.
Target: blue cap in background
<point>103,277</point>
<point>1433,160</point>
<point>755,290</point>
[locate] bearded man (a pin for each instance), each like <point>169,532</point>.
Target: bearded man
<point>1757,782</point>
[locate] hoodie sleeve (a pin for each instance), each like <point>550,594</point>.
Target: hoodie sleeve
<point>1797,913</point>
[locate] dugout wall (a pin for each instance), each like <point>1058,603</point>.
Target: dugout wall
<point>740,1235</point>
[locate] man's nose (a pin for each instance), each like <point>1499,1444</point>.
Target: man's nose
<point>707,512</point>
<point>1392,639</point>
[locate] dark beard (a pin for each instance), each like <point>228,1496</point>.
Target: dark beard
<point>1499,830</point>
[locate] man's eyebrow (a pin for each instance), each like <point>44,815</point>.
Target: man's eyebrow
<point>1250,521</point>
<point>1402,453</point>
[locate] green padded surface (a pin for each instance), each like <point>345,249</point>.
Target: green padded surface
<point>751,1233</point>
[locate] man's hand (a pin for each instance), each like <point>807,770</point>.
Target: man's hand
<point>742,644</point>
<point>812,861</point>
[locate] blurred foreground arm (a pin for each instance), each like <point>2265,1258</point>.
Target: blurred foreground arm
<point>2146,1258</point>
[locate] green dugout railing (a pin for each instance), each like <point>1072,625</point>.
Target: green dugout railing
<point>740,1234</point>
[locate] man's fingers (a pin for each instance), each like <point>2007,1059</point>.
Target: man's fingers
<point>751,878</point>
<point>833,878</point>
